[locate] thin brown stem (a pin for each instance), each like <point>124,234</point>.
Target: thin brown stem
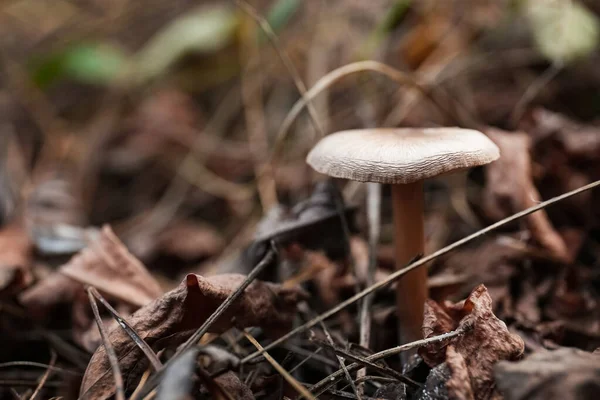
<point>409,237</point>
<point>332,379</point>
<point>110,351</point>
<point>366,363</point>
<point>286,375</point>
<point>146,349</point>
<point>44,377</point>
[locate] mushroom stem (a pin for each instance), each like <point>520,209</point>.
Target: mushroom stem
<point>411,289</point>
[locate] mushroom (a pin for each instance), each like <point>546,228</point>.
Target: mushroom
<point>404,158</point>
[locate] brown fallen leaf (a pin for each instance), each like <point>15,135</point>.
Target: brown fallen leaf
<point>566,374</point>
<point>189,241</point>
<point>267,305</point>
<point>510,188</point>
<point>52,290</point>
<point>16,258</point>
<point>232,385</point>
<point>458,386</point>
<point>107,265</point>
<point>485,342</point>
<point>578,140</point>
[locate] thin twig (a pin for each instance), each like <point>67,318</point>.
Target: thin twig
<point>396,275</point>
<point>371,378</point>
<point>256,126</point>
<point>110,351</point>
<point>285,59</point>
<point>141,343</point>
<point>286,375</point>
<point>340,360</point>
<point>44,377</point>
<point>306,359</point>
<point>311,354</point>
<point>366,363</point>
<point>373,220</point>
<point>533,90</point>
<point>332,379</point>
<point>36,364</point>
<point>141,383</point>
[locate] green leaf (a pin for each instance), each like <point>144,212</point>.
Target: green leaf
<point>201,31</point>
<point>97,64</point>
<point>281,12</point>
<point>563,30</point>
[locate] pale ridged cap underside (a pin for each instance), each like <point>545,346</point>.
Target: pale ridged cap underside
<point>402,155</point>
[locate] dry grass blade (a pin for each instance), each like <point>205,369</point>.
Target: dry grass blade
<point>110,351</point>
<point>152,357</point>
<point>287,62</point>
<point>40,365</point>
<point>290,379</point>
<point>396,275</point>
<point>306,359</point>
<point>142,382</point>
<point>332,379</point>
<point>44,377</point>
<point>532,91</point>
<point>334,76</point>
<point>256,126</point>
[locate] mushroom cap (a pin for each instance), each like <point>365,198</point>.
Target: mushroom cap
<point>400,155</point>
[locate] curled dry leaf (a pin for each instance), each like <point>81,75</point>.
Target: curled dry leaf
<point>231,384</point>
<point>268,305</point>
<point>448,380</point>
<point>510,188</point>
<point>15,258</point>
<point>458,386</point>
<point>485,342</point>
<point>565,373</point>
<point>107,265</point>
<point>313,223</point>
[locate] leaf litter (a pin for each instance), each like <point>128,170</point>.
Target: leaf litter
<point>94,192</point>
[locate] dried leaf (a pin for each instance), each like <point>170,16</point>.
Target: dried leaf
<point>459,386</point>
<point>509,189</point>
<point>232,384</point>
<point>313,223</point>
<point>565,374</point>
<point>190,241</point>
<point>15,258</point>
<point>263,304</point>
<point>579,141</point>
<point>107,265</point>
<point>52,290</point>
<point>486,341</point>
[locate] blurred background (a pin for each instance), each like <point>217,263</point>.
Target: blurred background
<point>177,123</point>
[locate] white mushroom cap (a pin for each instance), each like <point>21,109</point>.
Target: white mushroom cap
<point>400,155</point>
